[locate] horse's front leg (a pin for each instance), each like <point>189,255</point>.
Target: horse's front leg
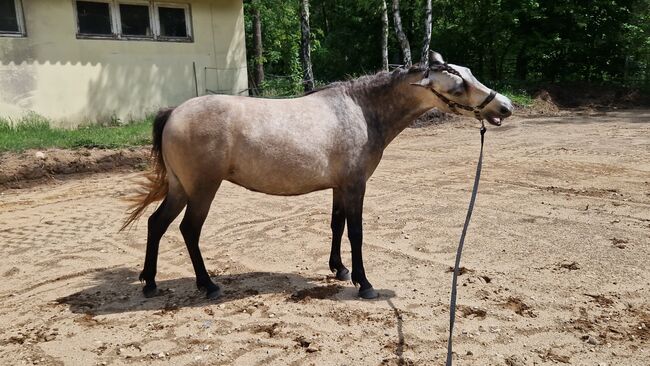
<point>353,201</point>
<point>338,225</point>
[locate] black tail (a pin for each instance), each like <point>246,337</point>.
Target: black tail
<point>155,187</point>
<point>158,126</point>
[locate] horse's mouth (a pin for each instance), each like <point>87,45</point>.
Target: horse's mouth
<point>494,120</point>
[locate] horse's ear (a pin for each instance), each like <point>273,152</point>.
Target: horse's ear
<point>435,58</point>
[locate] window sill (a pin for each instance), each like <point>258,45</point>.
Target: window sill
<point>13,35</point>
<point>172,39</point>
<point>133,38</point>
<point>96,36</point>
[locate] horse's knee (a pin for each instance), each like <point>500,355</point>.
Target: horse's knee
<point>355,235</point>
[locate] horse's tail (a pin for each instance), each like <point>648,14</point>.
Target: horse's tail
<point>155,187</point>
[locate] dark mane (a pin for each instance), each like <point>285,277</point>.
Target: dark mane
<point>379,79</point>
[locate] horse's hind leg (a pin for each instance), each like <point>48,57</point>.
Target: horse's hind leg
<point>338,225</point>
<point>157,225</point>
<point>198,207</point>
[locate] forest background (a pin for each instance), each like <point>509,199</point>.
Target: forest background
<point>518,46</point>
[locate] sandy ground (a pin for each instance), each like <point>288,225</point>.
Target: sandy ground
<point>557,261</point>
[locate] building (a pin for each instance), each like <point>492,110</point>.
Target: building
<point>78,62</point>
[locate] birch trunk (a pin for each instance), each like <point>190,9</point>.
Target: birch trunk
<point>258,50</point>
<point>403,41</point>
<point>384,36</point>
<point>424,59</point>
<point>305,52</point>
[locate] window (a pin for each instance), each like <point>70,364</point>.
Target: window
<point>94,18</point>
<point>11,18</point>
<point>135,20</point>
<point>173,21</point>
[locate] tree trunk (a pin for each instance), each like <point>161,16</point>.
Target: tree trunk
<point>325,18</point>
<point>403,41</point>
<point>384,36</point>
<point>258,52</point>
<point>424,59</point>
<point>521,63</point>
<point>305,52</point>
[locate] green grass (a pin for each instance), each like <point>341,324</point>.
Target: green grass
<point>519,97</point>
<point>35,132</point>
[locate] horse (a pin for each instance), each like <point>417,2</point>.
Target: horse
<point>331,138</point>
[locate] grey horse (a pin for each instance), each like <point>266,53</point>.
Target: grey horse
<point>332,138</point>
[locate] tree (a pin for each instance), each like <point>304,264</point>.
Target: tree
<point>424,58</point>
<point>305,51</point>
<point>403,41</point>
<point>384,36</point>
<point>258,56</point>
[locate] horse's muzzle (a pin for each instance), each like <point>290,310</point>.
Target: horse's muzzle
<point>494,120</point>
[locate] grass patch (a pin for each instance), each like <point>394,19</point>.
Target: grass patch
<point>519,97</point>
<point>35,132</point>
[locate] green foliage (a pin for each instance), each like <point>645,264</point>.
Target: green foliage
<point>281,41</point>
<point>511,41</point>
<point>35,132</point>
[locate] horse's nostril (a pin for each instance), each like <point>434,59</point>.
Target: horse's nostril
<point>505,111</point>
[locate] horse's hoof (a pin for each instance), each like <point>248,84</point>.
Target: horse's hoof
<point>368,293</point>
<point>213,294</point>
<point>150,291</point>
<point>343,274</point>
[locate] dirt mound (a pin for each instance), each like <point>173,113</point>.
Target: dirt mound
<point>432,117</point>
<point>591,96</point>
<point>18,168</point>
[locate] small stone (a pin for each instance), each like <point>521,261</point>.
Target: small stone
<point>312,349</point>
<point>271,315</point>
<point>161,355</point>
<point>514,361</point>
<point>40,155</point>
<point>206,348</point>
<point>591,340</point>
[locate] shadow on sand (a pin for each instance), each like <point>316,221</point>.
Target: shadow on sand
<point>117,291</point>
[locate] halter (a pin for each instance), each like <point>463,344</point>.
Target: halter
<point>454,105</point>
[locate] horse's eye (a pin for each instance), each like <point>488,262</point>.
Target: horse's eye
<point>458,93</point>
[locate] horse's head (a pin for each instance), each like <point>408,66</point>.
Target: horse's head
<point>456,90</point>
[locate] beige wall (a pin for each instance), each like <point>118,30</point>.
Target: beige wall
<point>74,81</point>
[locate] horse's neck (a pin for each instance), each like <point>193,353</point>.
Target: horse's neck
<point>392,107</point>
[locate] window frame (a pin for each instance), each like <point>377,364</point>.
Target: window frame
<point>20,19</point>
<point>111,16</point>
<point>154,21</point>
<point>118,16</point>
<point>188,21</point>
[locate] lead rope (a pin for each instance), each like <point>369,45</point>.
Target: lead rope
<point>452,303</point>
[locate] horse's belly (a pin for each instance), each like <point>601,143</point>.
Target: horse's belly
<point>284,177</point>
